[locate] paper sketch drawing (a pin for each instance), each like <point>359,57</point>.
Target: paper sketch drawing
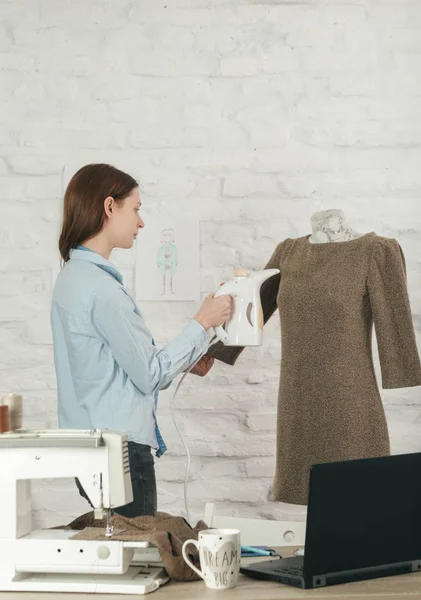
<point>167,260</point>
<point>168,256</point>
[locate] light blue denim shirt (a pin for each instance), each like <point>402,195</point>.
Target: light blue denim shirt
<point>108,368</point>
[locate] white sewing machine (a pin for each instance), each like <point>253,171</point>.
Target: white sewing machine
<point>47,559</point>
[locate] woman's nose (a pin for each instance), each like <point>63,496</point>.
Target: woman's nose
<point>141,223</point>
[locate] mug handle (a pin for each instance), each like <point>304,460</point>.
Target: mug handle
<point>191,565</point>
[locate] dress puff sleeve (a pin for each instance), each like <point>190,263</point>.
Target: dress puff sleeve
<point>387,288</point>
<point>268,296</point>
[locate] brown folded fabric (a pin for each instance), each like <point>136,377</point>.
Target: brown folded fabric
<point>166,532</point>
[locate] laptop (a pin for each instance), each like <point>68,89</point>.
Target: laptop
<point>363,521</point>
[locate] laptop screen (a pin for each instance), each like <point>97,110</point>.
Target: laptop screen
<point>363,513</point>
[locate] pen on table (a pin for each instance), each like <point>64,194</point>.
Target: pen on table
<point>255,550</point>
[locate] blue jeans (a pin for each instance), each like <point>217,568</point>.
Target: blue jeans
<point>142,471</point>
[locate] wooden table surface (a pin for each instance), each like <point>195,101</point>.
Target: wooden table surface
<point>398,587</point>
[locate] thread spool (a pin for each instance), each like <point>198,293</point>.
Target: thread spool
<point>14,403</point>
<point>4,419</point>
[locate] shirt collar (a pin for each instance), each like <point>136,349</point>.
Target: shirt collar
<point>87,255</point>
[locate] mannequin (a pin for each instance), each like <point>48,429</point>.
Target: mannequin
<point>332,287</point>
<point>331,226</point>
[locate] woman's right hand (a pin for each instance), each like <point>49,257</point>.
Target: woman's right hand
<point>215,311</point>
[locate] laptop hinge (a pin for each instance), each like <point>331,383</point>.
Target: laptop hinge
<point>319,581</point>
<point>416,565</point>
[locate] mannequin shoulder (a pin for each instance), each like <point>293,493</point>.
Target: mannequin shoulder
<point>385,253</point>
<point>381,244</point>
<point>277,255</point>
<point>282,247</point>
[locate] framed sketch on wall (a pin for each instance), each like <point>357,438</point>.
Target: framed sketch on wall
<point>167,256</point>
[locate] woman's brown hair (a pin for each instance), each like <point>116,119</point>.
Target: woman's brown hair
<point>83,208</point>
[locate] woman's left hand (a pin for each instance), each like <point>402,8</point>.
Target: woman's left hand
<point>203,366</point>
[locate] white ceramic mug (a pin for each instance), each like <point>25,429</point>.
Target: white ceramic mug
<point>220,554</point>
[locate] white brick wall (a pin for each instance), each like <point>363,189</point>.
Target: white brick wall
<point>263,112</point>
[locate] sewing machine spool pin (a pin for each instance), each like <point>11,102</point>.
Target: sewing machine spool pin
<point>109,529</point>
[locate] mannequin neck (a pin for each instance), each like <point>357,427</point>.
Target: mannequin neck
<point>331,226</point>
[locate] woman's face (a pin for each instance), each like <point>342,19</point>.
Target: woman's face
<point>125,220</point>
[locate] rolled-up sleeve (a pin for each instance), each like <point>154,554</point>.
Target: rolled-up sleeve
<point>124,330</point>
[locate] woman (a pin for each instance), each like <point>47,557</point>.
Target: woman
<point>108,368</point>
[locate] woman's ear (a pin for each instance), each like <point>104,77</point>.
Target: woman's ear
<point>109,206</point>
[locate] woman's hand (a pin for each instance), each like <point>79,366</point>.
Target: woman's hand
<point>215,311</point>
<point>203,366</point>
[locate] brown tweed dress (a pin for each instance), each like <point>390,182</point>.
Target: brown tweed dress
<point>329,406</point>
